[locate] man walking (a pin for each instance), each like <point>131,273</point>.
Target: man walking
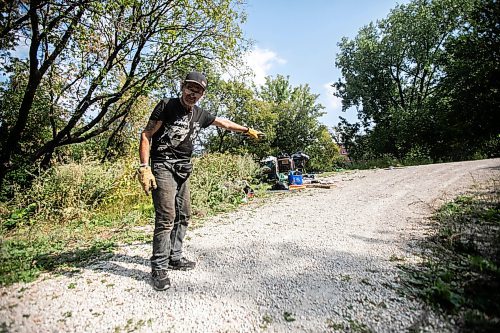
<point>168,141</point>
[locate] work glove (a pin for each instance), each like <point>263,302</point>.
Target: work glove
<point>254,134</point>
<point>146,179</point>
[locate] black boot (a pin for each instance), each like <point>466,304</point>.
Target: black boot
<point>160,279</point>
<point>181,265</point>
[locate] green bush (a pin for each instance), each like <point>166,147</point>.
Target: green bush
<point>383,161</point>
<point>69,191</point>
<point>218,180</point>
<point>76,211</point>
<point>417,156</point>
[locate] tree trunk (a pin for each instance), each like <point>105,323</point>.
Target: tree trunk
<point>34,80</point>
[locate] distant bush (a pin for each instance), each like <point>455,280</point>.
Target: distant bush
<point>384,161</point>
<point>417,156</point>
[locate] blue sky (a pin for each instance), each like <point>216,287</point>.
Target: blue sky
<point>299,39</point>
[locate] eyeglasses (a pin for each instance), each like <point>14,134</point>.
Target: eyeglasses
<point>191,90</point>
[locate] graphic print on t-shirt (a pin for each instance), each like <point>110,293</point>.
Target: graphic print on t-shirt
<point>177,135</point>
<point>174,134</point>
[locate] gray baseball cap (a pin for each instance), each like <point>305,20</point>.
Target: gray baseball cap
<point>198,78</point>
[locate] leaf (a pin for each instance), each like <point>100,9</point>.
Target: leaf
<point>288,316</point>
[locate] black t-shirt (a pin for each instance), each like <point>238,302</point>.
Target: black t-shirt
<point>174,139</point>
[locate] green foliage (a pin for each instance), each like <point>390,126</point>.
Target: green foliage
<point>417,156</point>
<point>324,152</point>
<point>287,115</point>
<point>69,191</point>
<point>288,316</point>
<point>218,180</point>
<point>297,112</point>
<point>77,211</point>
<point>423,81</point>
<point>83,85</point>
<point>460,272</point>
<point>235,101</point>
<point>24,261</point>
<point>467,104</point>
<point>383,161</point>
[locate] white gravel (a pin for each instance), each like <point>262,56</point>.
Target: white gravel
<point>325,258</point>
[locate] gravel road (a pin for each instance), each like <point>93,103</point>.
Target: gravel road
<point>318,260</point>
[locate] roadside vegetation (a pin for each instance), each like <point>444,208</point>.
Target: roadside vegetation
<point>78,211</point>
<point>460,271</point>
<point>423,81</point>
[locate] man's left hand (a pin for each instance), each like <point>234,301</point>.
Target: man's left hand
<point>254,134</point>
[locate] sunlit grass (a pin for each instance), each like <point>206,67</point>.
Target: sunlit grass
<point>74,213</point>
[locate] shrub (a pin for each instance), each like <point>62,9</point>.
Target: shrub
<point>217,181</point>
<point>76,211</point>
<point>417,156</point>
<point>69,191</point>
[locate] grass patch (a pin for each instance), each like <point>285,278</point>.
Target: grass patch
<point>460,272</point>
<point>76,212</point>
<point>356,326</point>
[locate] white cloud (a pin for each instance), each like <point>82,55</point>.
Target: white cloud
<point>255,65</point>
<point>332,102</point>
<point>261,61</point>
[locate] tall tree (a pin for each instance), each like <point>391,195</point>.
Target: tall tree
<point>236,101</point>
<point>468,102</point>
<point>95,58</point>
<point>392,70</point>
<point>297,112</point>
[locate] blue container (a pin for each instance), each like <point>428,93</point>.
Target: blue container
<point>294,179</point>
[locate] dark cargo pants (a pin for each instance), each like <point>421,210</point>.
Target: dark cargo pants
<point>172,205</point>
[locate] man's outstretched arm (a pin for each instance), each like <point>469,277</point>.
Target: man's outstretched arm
<point>232,126</point>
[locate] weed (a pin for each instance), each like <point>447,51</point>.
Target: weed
<point>132,326</point>
<point>382,305</point>
<point>345,278</point>
<point>288,316</point>
<point>73,213</point>
<point>24,260</point>
<point>4,328</point>
<point>460,272</point>
<point>356,326</point>
<point>266,320</point>
<point>366,281</point>
<point>394,258</point>
<point>333,325</point>
<point>72,285</point>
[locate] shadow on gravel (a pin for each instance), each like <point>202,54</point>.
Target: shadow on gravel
<point>292,283</point>
<point>116,265</point>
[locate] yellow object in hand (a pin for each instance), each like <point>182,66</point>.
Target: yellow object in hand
<point>254,134</point>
